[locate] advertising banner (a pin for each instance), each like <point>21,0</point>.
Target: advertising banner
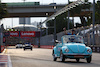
<point>14,33</point>
<point>4,39</point>
<point>6,33</point>
<point>27,34</point>
<point>37,34</point>
<point>22,34</point>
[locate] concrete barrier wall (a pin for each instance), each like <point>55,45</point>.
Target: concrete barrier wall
<point>49,39</point>
<point>95,48</point>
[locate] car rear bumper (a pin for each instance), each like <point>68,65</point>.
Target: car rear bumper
<point>28,47</point>
<point>78,55</point>
<point>69,54</point>
<point>19,46</point>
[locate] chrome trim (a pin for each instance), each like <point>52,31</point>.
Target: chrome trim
<point>78,54</point>
<point>78,48</point>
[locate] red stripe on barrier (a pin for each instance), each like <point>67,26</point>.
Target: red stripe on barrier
<point>35,46</point>
<point>2,48</point>
<point>3,61</point>
<point>45,46</point>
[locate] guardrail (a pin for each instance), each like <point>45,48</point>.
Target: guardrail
<point>2,47</point>
<point>95,48</point>
<point>45,46</point>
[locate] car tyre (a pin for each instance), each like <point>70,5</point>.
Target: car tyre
<point>54,57</point>
<point>77,60</point>
<point>24,49</point>
<point>89,59</point>
<point>62,57</point>
<point>31,49</point>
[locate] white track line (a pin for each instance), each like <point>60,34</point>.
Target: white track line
<point>3,51</point>
<point>9,61</point>
<point>9,64</point>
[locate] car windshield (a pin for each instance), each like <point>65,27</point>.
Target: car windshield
<point>72,38</point>
<point>19,44</point>
<point>27,44</point>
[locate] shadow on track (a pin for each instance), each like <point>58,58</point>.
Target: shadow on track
<point>79,63</point>
<point>40,59</point>
<point>70,62</point>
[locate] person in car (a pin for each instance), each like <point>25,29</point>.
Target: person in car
<point>72,33</point>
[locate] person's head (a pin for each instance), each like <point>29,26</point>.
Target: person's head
<point>64,28</point>
<point>73,32</point>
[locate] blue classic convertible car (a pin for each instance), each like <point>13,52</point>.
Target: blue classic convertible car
<point>73,47</point>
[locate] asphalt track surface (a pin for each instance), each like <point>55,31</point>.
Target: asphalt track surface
<point>39,57</point>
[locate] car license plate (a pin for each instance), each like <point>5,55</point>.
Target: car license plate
<point>79,56</point>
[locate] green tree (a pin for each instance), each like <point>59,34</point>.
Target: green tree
<point>3,10</point>
<point>97,13</point>
<point>61,22</point>
<point>77,11</point>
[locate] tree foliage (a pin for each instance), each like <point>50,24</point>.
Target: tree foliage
<point>3,10</point>
<point>97,13</point>
<point>86,19</point>
<point>61,22</point>
<point>78,11</point>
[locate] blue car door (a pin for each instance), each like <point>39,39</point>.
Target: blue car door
<point>58,48</point>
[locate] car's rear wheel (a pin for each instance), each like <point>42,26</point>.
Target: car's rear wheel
<point>89,59</point>
<point>77,60</point>
<point>62,57</point>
